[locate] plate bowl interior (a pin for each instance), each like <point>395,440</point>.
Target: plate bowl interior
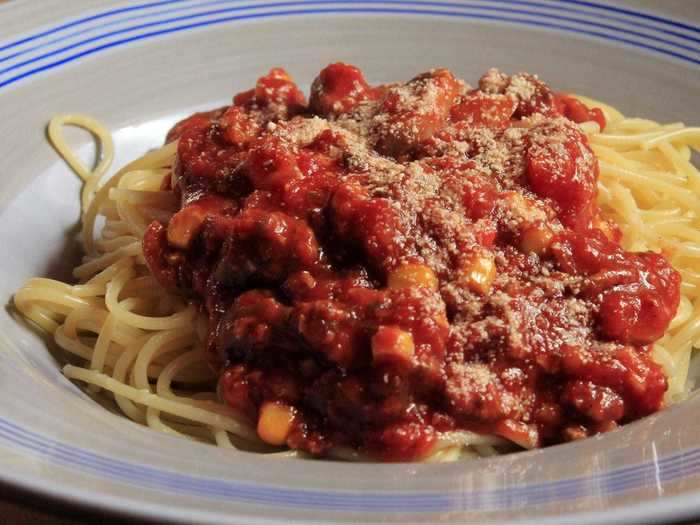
<point>59,441</point>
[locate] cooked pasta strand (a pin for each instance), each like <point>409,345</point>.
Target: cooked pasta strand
<point>143,345</point>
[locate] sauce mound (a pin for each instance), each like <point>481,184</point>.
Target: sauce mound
<point>382,265</point>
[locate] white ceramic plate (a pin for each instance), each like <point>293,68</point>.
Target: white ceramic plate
<point>140,66</point>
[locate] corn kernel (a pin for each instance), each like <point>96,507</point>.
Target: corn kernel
<point>413,274</point>
<point>536,239</point>
<point>479,273</point>
<point>275,423</point>
<point>392,343</point>
<point>185,225</point>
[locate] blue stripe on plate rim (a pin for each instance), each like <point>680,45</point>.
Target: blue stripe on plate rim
<point>649,473</point>
<point>669,468</point>
<point>418,7</point>
<point>693,48</point>
<point>600,11</point>
<point>496,6</point>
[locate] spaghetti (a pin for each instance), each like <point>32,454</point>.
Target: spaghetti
<point>649,187</point>
<point>144,344</point>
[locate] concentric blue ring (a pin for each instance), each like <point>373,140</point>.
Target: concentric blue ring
<point>82,21</point>
<point>498,6</point>
<point>685,48</point>
<point>600,11</point>
<point>287,4</point>
<point>673,467</point>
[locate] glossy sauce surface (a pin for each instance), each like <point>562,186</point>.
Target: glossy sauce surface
<point>384,264</point>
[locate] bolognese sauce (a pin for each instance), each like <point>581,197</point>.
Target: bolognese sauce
<point>383,264</point>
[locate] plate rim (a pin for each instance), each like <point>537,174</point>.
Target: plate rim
<point>655,503</point>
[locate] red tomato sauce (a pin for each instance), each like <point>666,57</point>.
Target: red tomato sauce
<point>383,264</point>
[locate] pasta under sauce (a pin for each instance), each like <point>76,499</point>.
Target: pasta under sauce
<point>384,265</point>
